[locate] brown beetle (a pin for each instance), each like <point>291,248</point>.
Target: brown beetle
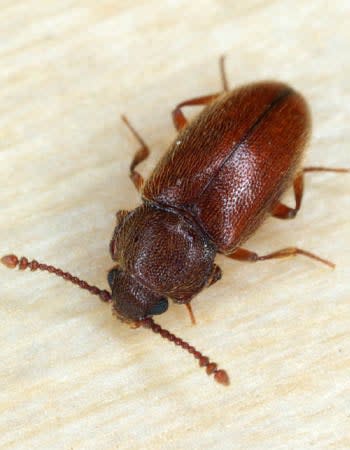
<point>225,172</point>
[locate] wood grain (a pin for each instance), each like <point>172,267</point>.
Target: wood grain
<point>71,375</point>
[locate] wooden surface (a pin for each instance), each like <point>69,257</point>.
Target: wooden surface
<point>72,377</point>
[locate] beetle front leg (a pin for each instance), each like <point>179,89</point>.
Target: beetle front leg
<point>242,254</point>
<point>140,156</point>
<point>215,275</point>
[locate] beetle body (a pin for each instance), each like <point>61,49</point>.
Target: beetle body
<point>220,178</point>
<point>224,173</point>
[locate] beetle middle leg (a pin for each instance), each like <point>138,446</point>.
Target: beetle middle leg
<point>140,156</point>
<point>242,254</point>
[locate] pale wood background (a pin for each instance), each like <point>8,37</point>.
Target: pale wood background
<point>72,377</point>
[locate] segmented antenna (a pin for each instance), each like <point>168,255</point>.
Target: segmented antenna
<point>220,375</point>
<point>12,261</point>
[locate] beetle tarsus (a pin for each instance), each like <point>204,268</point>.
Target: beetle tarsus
<point>223,73</point>
<point>326,169</point>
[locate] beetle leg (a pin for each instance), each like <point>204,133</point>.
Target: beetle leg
<point>242,254</point>
<point>190,312</point>
<point>326,169</point>
<point>179,119</point>
<point>140,156</point>
<point>282,211</point>
<point>215,275</point>
<point>223,73</point>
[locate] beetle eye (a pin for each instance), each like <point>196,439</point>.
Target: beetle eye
<point>159,308</point>
<point>111,276</point>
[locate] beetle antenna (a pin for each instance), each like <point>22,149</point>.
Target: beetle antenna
<point>12,261</point>
<point>220,375</point>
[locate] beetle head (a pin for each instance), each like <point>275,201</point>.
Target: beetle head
<point>131,300</point>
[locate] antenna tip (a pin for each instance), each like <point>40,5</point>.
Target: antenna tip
<point>222,377</point>
<point>10,261</point>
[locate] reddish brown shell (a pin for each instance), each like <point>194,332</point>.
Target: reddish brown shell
<point>229,166</point>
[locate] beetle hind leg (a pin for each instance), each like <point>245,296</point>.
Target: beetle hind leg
<point>282,211</point>
<point>140,156</point>
<point>179,118</point>
<point>223,73</point>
